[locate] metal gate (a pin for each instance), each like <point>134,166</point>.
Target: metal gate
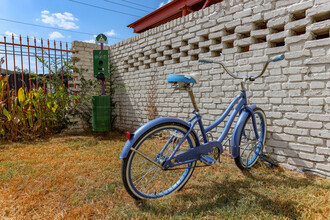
<point>19,59</point>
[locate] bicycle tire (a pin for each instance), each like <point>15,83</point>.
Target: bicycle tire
<point>153,139</point>
<point>249,156</point>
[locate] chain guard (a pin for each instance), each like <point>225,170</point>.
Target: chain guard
<point>195,153</point>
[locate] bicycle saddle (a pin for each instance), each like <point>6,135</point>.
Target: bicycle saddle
<point>187,78</point>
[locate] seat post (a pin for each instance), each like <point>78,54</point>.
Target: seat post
<point>192,97</point>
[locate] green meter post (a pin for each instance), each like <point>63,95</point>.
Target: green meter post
<point>100,60</point>
<point>101,103</point>
<point>101,66</point>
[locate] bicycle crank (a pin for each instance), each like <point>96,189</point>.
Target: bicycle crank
<point>212,156</point>
<point>209,159</point>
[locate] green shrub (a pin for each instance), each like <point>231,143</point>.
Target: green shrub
<point>41,112</point>
<point>31,114</point>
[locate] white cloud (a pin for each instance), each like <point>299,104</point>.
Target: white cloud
<point>92,41</point>
<point>163,3</point>
<point>55,35</point>
<point>45,12</point>
<point>64,20</point>
<point>9,34</point>
<point>111,33</point>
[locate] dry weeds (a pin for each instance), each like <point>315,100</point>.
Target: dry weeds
<point>79,178</point>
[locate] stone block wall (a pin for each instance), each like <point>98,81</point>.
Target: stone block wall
<point>294,93</point>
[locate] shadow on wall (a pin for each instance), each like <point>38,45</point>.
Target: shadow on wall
<point>125,110</point>
<point>289,153</point>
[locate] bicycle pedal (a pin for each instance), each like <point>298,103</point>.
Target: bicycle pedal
<point>208,160</point>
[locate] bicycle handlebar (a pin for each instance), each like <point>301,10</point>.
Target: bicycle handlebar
<point>251,78</point>
<point>277,58</point>
<point>205,61</point>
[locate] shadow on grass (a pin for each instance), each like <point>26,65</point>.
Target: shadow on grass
<point>4,145</point>
<point>264,195</point>
<point>76,138</point>
<point>112,135</point>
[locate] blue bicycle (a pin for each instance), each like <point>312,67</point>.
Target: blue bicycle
<point>160,157</point>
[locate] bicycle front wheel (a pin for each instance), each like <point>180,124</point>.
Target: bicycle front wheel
<point>145,180</point>
<point>250,148</point>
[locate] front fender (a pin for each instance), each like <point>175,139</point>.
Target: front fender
<point>245,112</point>
<point>137,134</point>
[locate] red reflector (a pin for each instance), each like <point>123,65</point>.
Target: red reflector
<point>128,135</point>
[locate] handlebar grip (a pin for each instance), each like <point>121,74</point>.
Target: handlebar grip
<point>205,61</point>
<point>278,58</point>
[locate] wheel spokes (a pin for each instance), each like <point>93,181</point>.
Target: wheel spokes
<point>145,176</point>
<point>249,144</point>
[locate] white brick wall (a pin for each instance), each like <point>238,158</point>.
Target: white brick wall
<point>294,93</point>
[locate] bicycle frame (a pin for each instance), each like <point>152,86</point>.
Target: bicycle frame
<point>165,143</point>
<point>242,105</point>
<point>241,108</point>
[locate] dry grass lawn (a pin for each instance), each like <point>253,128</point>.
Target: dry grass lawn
<point>79,178</point>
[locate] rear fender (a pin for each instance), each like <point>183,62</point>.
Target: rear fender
<point>235,140</point>
<point>140,131</point>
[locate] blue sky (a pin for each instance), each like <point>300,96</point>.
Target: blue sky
<point>73,16</point>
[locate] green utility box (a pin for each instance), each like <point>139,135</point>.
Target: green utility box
<point>101,62</point>
<point>101,113</point>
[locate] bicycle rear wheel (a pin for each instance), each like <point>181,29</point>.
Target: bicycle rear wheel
<point>145,180</point>
<point>250,148</point>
